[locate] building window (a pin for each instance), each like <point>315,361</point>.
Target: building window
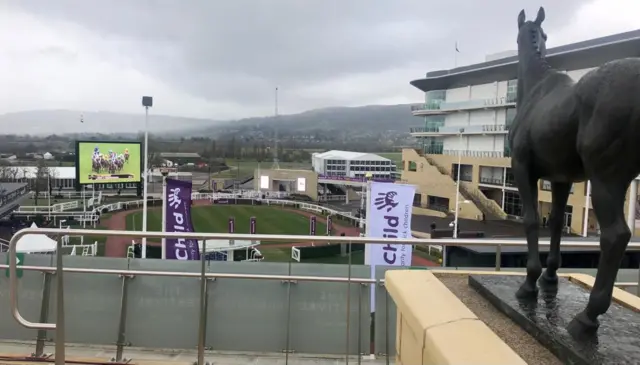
<point>510,179</point>
<point>546,186</point>
<point>507,149</point>
<point>491,175</point>
<point>512,91</point>
<point>436,95</point>
<point>466,172</point>
<point>433,145</point>
<point>512,203</point>
<point>438,203</point>
<point>417,199</point>
<point>433,123</point>
<point>510,116</point>
<point>412,166</point>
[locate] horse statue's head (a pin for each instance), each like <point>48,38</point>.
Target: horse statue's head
<point>530,33</point>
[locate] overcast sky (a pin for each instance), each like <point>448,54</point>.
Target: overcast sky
<point>222,59</point>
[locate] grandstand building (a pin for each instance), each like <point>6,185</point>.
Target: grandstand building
<point>468,111</point>
<point>352,164</point>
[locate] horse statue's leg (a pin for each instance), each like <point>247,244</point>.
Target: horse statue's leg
<point>608,203</point>
<point>528,189</point>
<point>560,195</point>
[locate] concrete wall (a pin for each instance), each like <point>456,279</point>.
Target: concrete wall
<point>434,327</point>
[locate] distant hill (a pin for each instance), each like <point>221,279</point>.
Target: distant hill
<point>378,118</point>
<point>47,122</point>
<point>373,118</point>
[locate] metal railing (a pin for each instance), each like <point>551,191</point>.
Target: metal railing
<point>475,153</point>
<point>59,271</point>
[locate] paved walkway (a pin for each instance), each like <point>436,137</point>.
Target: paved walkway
<point>103,355</point>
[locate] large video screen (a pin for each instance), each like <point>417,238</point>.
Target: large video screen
<point>108,162</point>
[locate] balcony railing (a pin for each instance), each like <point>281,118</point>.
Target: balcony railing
<point>446,106</point>
<point>424,129</point>
<point>469,129</point>
<point>432,105</point>
<point>182,305</point>
<point>473,153</point>
<point>491,181</point>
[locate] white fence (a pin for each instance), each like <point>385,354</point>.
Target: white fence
<point>87,250</point>
<point>331,198</point>
<point>92,216</point>
<point>241,194</point>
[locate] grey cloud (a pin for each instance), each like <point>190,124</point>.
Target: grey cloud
<point>238,50</point>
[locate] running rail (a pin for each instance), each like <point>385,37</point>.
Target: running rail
<point>59,271</point>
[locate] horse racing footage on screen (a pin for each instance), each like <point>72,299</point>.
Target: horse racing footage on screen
<point>108,162</point>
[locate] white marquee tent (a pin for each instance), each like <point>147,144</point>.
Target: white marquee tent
<point>36,243</point>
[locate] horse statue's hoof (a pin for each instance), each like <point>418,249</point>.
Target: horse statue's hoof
<point>581,327</point>
<point>548,282</point>
<point>527,291</point>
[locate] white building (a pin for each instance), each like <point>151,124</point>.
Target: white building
<point>352,164</point>
<point>473,119</point>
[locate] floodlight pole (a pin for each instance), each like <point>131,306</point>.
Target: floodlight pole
<point>147,102</point>
<point>164,212</point>
<point>276,164</point>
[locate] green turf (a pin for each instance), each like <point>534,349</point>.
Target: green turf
<point>132,167</point>
<point>396,157</point>
<point>269,220</point>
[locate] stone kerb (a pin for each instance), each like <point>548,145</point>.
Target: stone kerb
<point>435,327</point>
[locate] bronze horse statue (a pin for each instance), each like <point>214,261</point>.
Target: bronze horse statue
<point>568,132</point>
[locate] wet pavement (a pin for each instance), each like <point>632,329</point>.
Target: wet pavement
<point>92,354</point>
<point>617,341</point>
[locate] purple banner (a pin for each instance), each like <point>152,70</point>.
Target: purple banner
<point>252,225</point>
<point>215,186</point>
<point>232,225</point>
<point>312,225</point>
<point>329,225</point>
<point>178,212</point>
<point>354,179</point>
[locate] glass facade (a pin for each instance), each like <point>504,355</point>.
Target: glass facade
<point>512,91</point>
<point>507,150</point>
<point>510,116</point>
<point>433,145</point>
<point>436,95</point>
<point>512,203</point>
<point>433,123</point>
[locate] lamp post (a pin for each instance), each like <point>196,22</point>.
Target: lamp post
<point>164,173</point>
<point>147,102</point>
<point>363,199</point>
<point>455,222</point>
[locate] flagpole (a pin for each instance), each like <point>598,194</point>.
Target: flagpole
<point>455,55</point>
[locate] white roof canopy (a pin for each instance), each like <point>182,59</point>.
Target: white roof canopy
<point>36,243</point>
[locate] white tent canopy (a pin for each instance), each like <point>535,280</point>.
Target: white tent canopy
<point>32,243</point>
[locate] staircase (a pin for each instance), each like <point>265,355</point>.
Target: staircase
<point>489,207</point>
